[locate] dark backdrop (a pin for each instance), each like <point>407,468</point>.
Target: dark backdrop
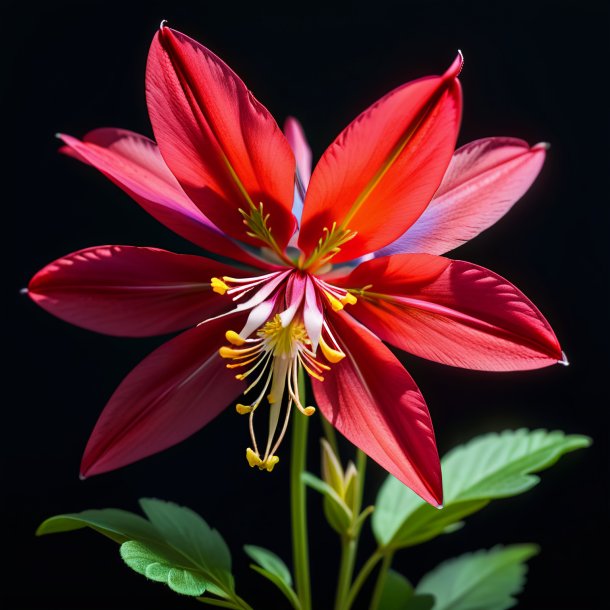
<point>535,70</point>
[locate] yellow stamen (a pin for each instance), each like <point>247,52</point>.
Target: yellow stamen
<point>349,299</point>
<point>309,411</point>
<point>232,337</point>
<point>219,286</point>
<point>253,458</point>
<point>243,409</point>
<point>332,355</point>
<point>335,303</point>
<point>229,352</point>
<point>269,463</point>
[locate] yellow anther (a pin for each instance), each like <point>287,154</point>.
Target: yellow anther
<point>219,286</point>
<point>335,303</point>
<point>237,354</point>
<point>232,337</point>
<point>332,355</point>
<point>349,299</point>
<point>253,458</point>
<point>309,411</point>
<point>243,409</point>
<point>269,463</point>
<point>270,398</point>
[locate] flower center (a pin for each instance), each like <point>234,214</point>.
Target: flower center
<point>272,359</point>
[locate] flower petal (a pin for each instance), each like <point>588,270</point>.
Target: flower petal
<point>483,181</point>
<point>300,147</point>
<point>134,163</point>
<point>456,313</point>
<point>129,291</point>
<point>222,145</point>
<point>170,395</point>
<point>383,169</point>
<point>375,404</point>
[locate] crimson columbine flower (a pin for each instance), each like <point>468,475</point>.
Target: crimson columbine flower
<point>324,268</point>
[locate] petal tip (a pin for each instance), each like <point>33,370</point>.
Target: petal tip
<point>24,291</point>
<point>456,67</point>
<point>82,476</point>
<point>541,146</point>
<point>564,360</point>
<point>163,24</point>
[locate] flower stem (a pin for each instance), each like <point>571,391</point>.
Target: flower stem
<point>349,547</point>
<point>360,579</point>
<point>361,468</point>
<point>298,505</point>
<point>381,578</point>
<point>329,433</point>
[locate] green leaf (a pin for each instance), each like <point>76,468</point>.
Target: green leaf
<point>485,579</point>
<point>288,592</point>
<point>270,562</point>
<point>118,525</point>
<point>145,561</point>
<point>398,594</point>
<point>488,467</point>
<point>397,591</point>
<point>337,513</point>
<point>175,545</point>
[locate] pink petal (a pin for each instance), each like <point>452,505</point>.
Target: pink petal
<point>461,314</point>
<point>222,145</point>
<point>170,395</point>
<point>300,147</point>
<point>134,163</point>
<point>381,172</point>
<point>375,404</point>
<point>130,291</point>
<point>483,181</point>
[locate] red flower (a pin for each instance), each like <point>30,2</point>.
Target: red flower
<point>323,269</point>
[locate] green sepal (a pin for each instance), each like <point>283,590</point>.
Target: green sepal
<point>488,467</point>
<point>486,579</point>
<point>337,513</point>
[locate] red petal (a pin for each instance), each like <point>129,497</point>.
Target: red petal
<point>461,314</point>
<point>129,291</point>
<point>375,404</point>
<point>170,395</point>
<point>383,169</point>
<point>223,145</point>
<point>483,181</point>
<point>134,163</point>
<point>300,147</point>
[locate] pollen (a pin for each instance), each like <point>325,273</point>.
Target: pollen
<point>219,286</point>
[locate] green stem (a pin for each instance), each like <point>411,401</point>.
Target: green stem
<point>349,546</point>
<point>298,505</point>
<point>381,577</point>
<point>237,604</point>
<point>360,579</point>
<point>330,434</point>
<point>361,468</point>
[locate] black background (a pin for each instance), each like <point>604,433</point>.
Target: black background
<point>535,70</point>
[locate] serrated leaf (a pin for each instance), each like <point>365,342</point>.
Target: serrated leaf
<point>485,579</point>
<point>186,531</point>
<point>269,561</point>
<point>488,467</point>
<point>147,562</point>
<point>175,545</point>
